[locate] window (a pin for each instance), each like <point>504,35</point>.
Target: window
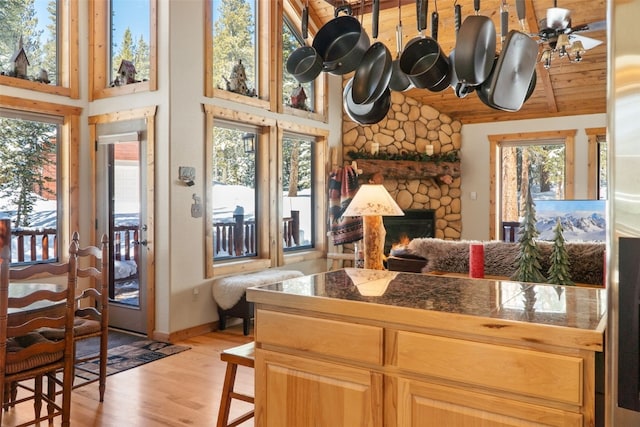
<point>35,177</point>
<point>38,46</point>
<point>235,46</point>
<point>122,47</point>
<point>297,192</point>
<point>291,40</point>
<point>129,36</point>
<point>539,162</point>
<point>597,163</point>
<point>262,204</point>
<point>234,192</point>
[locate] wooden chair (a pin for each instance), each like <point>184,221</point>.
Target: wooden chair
<point>237,356</point>
<point>26,356</point>
<point>92,304</point>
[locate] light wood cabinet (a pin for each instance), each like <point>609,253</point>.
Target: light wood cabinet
<point>330,361</point>
<point>299,391</point>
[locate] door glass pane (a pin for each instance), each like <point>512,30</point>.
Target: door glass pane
<point>539,167</point>
<point>297,192</point>
<point>29,40</point>
<point>234,193</point>
<point>130,36</point>
<point>126,222</point>
<point>235,46</point>
<point>29,186</point>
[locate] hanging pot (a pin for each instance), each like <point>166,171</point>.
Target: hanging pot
<point>513,75</point>
<point>304,63</point>
<point>475,48</point>
<point>422,60</point>
<point>341,43</point>
<point>399,80</point>
<point>366,114</point>
<point>373,73</point>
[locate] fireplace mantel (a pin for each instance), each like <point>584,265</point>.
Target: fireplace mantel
<point>408,169</point>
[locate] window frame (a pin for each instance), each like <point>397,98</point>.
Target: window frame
<point>68,57</point>
<point>68,162</point>
<point>99,51</point>
<point>496,142</point>
<point>269,79</point>
<point>270,252</point>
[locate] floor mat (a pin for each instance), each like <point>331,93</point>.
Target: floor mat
<point>137,352</point>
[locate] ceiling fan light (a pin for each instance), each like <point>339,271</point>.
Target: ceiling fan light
<point>558,18</point>
<point>546,58</point>
<point>577,49</point>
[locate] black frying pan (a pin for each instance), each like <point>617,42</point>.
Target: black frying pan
<point>372,76</point>
<point>304,63</point>
<point>512,75</point>
<point>475,48</point>
<point>366,114</point>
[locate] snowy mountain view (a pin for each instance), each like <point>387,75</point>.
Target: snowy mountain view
<point>582,220</point>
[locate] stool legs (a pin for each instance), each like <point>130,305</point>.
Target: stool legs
<point>228,393</point>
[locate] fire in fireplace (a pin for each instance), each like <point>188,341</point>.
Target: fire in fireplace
<point>414,224</point>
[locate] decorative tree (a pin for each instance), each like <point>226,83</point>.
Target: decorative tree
<point>529,253</point>
<point>559,269</point>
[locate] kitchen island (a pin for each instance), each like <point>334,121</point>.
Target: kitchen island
<point>357,347</point>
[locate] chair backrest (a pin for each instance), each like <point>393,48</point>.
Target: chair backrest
<point>32,307</point>
<point>93,301</point>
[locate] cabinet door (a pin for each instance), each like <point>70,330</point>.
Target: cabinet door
<point>295,391</point>
<point>424,405</point>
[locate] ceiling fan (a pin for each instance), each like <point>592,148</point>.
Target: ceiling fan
<point>556,31</point>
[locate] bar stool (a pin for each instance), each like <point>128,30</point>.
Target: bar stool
<point>240,355</point>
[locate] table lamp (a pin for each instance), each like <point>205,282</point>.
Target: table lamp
<point>372,201</point>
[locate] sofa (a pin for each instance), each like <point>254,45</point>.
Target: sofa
<point>587,259</point>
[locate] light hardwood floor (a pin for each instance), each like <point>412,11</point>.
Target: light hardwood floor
<point>179,390</point>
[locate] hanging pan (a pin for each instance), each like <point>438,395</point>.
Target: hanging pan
<point>341,42</point>
<point>512,78</point>
<point>422,60</point>
<point>399,80</point>
<point>372,75</point>
<point>475,48</point>
<point>366,114</point>
<point>304,63</point>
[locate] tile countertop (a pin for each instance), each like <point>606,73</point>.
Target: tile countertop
<point>514,308</point>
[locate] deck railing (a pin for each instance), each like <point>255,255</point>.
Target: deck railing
<point>237,238</point>
<point>41,244</point>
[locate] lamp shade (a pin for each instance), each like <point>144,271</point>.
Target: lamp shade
<point>372,200</point>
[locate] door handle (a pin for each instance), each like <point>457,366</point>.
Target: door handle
<point>140,242</point>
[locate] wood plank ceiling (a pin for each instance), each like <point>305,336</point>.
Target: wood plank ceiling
<point>567,88</point>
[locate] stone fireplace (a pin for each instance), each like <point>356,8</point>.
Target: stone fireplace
<point>410,127</point>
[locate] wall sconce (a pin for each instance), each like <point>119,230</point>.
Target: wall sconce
<point>249,140</point>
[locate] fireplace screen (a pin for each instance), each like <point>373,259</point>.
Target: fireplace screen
<point>414,224</point>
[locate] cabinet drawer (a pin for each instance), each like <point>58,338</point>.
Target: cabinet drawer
<point>526,372</point>
<point>349,341</point>
<point>436,405</point>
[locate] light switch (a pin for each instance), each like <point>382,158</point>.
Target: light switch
<point>473,195</point>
